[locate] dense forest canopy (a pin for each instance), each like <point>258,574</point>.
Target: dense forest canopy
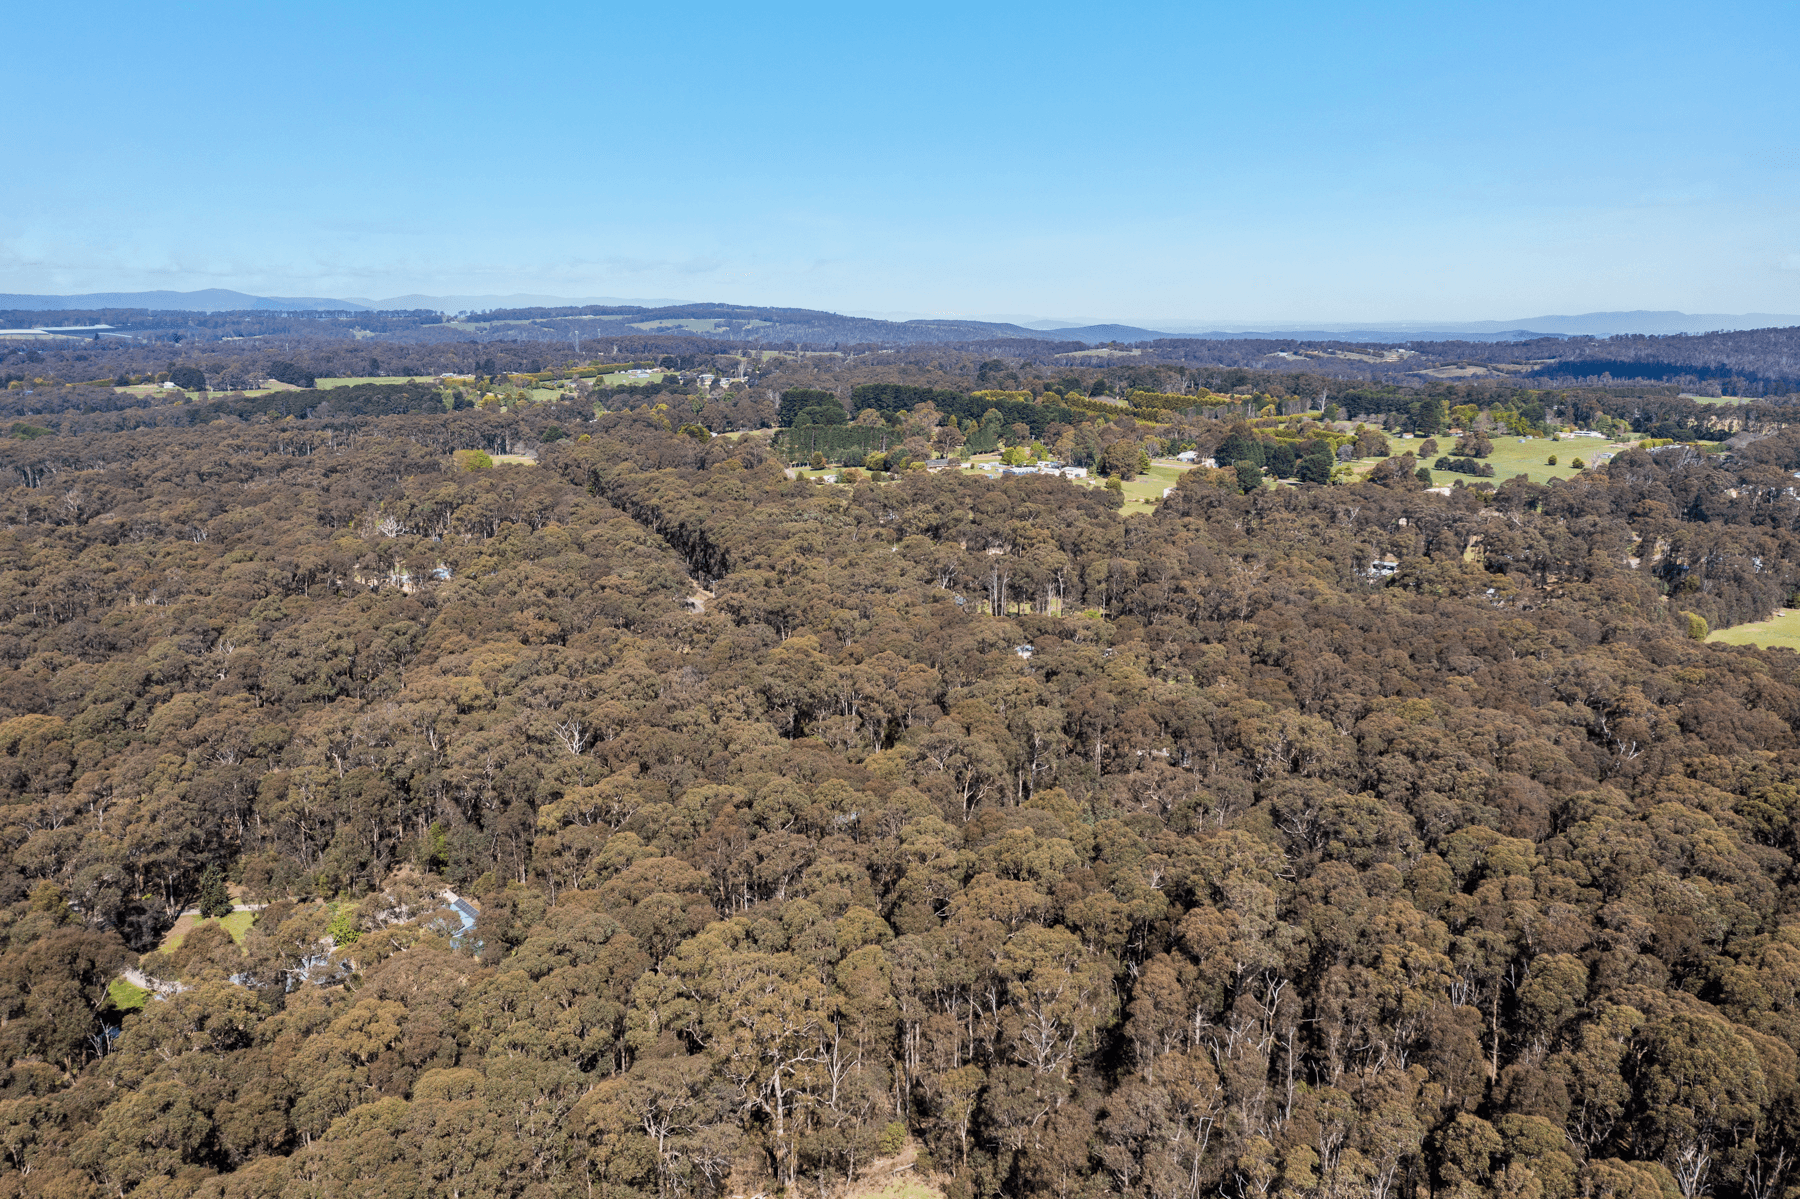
<point>1286,842</point>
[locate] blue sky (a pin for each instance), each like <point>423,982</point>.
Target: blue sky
<point>1203,161</point>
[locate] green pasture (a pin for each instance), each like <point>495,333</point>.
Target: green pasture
<point>1511,456</point>
<point>624,380</point>
<point>126,996</point>
<point>1780,631</point>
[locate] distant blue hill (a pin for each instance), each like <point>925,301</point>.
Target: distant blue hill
<point>213,299</point>
<point>1373,336</point>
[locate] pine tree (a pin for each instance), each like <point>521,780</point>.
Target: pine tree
<point>215,900</point>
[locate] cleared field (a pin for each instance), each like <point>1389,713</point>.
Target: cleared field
<point>1511,456</point>
<point>1142,493</point>
<point>896,1189</point>
<point>126,996</point>
<point>1782,631</point>
<point>691,324</point>
<point>625,380</point>
<point>324,384</point>
<point>237,924</point>
<point>514,460</point>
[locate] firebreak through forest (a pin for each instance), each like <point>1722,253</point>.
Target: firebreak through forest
<point>1260,875</point>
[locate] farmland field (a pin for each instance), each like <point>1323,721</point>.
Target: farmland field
<point>1782,631</point>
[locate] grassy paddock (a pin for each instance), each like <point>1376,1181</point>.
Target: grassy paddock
<point>1782,631</point>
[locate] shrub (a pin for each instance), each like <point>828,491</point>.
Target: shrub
<point>1696,626</point>
<point>473,459</point>
<point>893,1139</point>
<point>1550,461</point>
<point>342,930</point>
<point>1578,464</point>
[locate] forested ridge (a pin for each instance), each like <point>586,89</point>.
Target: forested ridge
<point>233,347</point>
<point>1175,854</point>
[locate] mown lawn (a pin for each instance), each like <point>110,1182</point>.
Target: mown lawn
<point>1781,631</point>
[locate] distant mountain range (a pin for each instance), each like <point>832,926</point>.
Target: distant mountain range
<point>803,324</point>
<point>218,299</point>
<point>213,299</point>
<point>1590,324</point>
<point>489,303</point>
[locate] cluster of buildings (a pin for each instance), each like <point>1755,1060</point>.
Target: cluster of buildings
<point>1042,468</point>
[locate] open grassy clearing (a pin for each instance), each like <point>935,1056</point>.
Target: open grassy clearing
<point>237,924</point>
<point>692,324</point>
<point>126,996</point>
<point>356,380</point>
<point>1529,457</point>
<point>513,460</point>
<point>908,1188</point>
<point>1781,631</point>
<point>1142,493</point>
<point>625,380</point>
